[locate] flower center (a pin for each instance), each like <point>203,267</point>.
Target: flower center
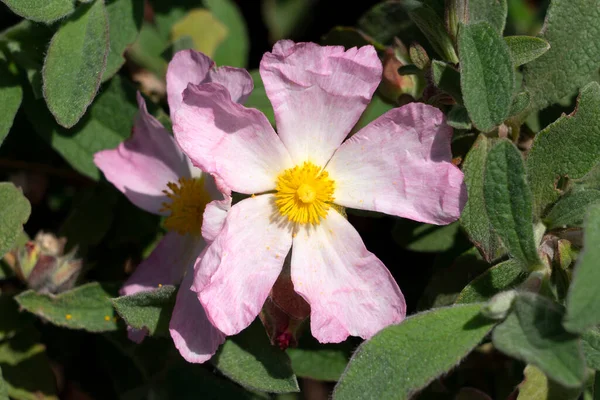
<point>188,200</point>
<point>304,193</point>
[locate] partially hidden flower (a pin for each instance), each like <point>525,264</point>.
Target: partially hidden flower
<point>399,164</point>
<point>150,169</point>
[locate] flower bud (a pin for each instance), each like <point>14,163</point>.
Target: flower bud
<point>393,84</point>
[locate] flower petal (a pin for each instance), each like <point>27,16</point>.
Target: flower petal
<point>224,138</point>
<point>189,66</point>
<point>142,166</point>
<point>214,218</point>
<point>194,336</point>
<point>234,277</point>
<point>349,290</point>
<point>166,264</point>
<point>400,164</point>
<point>318,94</point>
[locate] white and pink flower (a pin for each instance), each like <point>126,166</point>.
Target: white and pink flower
<point>400,164</point>
<point>150,169</point>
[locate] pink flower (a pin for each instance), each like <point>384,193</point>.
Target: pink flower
<point>150,169</point>
<point>399,165</point>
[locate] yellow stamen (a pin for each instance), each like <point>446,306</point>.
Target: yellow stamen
<point>188,200</point>
<point>304,193</point>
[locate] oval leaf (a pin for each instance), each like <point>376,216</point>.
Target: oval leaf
<point>148,310</point>
<point>252,361</point>
<point>491,11</point>
<point>75,63</point>
<point>524,49</point>
<point>583,300</point>
<point>487,75</point>
<point>14,212</point>
<point>404,358</point>
<point>234,49</point>
<point>508,202</point>
<point>504,276</point>
<point>11,95</point>
<point>570,209</point>
<point>86,307</point>
<point>41,10</point>
<point>533,332</point>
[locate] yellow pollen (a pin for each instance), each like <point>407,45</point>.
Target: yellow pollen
<point>107,318</point>
<point>188,200</point>
<point>304,193</point>
<point>68,316</point>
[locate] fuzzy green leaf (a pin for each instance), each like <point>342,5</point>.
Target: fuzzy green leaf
<point>150,310</point>
<point>14,212</point>
<point>11,95</point>
<point>148,49</point>
<point>86,307</point>
<point>250,360</point>
<point>569,147</point>
<point>474,218</point>
<point>26,368</point>
<point>487,75</point>
<point>573,32</point>
<point>533,332</point>
<point>75,62</point>
<point>322,362</point>
<point>537,386</point>
<point>125,21</point>
<point>508,202</point>
<point>108,123</point>
<point>570,209</point>
<point>258,98</point>
<point>503,276</point>
<point>524,49</point>
<point>520,103</point>
<point>3,388</point>
<point>447,78</point>
<point>234,49</point>
<point>402,359</point>
<point>46,11</point>
<point>425,237</point>
<point>458,118</point>
<point>590,343</point>
<point>583,299</point>
<point>491,11</point>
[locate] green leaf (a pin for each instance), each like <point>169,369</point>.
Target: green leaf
<point>432,27</point>
<point>250,360</point>
<point>86,307</point>
<point>402,359</point>
<point>150,310</point>
<point>520,103</point>
<point>447,282</point>
<point>583,298</point>
<point>14,212</point>
<point>11,95</point>
<point>590,344</point>
<point>108,123</point>
<point>125,21</point>
<point>46,11</point>
<point>524,49</point>
<point>26,369</point>
<point>322,362</point>
<point>571,28</point>
<point>388,19</point>
<point>458,118</point>
<point>487,75</point>
<point>284,18</point>
<point>235,48</point>
<point>447,78</point>
<point>258,98</point>
<point>376,108</point>
<point>508,202</point>
<point>474,219</point>
<point>202,28</point>
<point>491,11</point>
<point>75,62</point>
<point>537,386</point>
<point>503,276</point>
<point>147,50</point>
<point>569,147</point>
<point>570,209</point>
<point>3,388</point>
<point>416,236</point>
<point>533,332</point>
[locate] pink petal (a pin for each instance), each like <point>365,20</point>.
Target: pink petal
<point>214,218</point>
<point>234,277</point>
<point>224,138</point>
<point>194,336</point>
<point>349,290</point>
<point>318,93</point>
<point>142,166</point>
<point>400,164</point>
<point>189,66</point>
<point>166,264</point>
